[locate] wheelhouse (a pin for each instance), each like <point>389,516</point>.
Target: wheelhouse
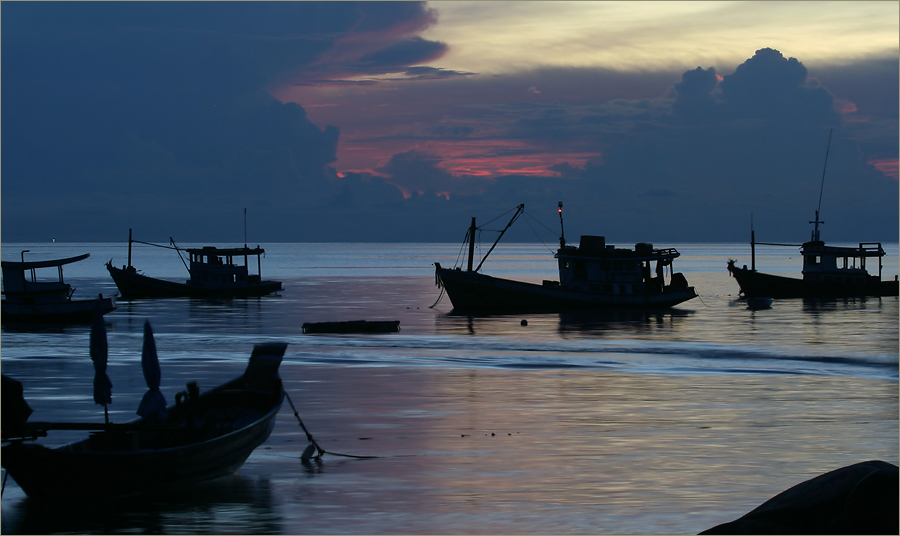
<point>595,266</point>
<point>211,266</point>
<point>839,265</point>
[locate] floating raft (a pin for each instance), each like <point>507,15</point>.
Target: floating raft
<point>353,326</point>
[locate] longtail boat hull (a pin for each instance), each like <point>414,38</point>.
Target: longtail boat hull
<point>206,436</point>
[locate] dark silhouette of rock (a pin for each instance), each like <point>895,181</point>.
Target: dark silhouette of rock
<point>862,498</point>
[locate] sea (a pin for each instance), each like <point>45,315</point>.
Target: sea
<point>614,422</point>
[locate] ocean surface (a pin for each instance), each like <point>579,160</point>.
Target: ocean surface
<point>590,423</point>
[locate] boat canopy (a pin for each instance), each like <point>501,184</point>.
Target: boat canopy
<point>30,265</point>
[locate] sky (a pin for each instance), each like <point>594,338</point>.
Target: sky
<point>664,122</point>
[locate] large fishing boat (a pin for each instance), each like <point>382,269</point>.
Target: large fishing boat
<point>828,271</point>
<point>27,299</point>
<point>213,274</point>
<point>593,275</point>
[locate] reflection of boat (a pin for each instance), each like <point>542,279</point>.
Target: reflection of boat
<point>353,326</point>
<point>828,271</point>
<point>203,437</point>
<point>758,303</point>
<point>213,274</point>
<point>593,275</point>
<point>29,300</point>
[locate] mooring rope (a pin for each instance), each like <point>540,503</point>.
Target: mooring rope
<point>320,451</point>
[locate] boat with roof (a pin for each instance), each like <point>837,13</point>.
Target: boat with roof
<point>214,273</point>
<point>827,271</point>
<point>29,299</point>
<point>592,275</point>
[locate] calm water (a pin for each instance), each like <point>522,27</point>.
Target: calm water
<point>667,422</point>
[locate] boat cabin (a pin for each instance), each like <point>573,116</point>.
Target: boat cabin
<point>596,266</point>
<point>21,285</point>
<point>839,265</point>
<point>215,267</point>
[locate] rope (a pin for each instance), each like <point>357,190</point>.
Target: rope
<point>3,488</point>
<point>309,436</point>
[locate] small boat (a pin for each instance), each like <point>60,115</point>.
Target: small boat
<point>593,275</point>
<point>353,326</point>
<point>213,271</point>
<point>828,271</point>
<point>204,436</point>
<point>30,300</point>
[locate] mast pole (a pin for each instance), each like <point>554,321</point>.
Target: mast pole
<point>752,245</point>
<point>129,246</point>
<point>562,229</point>
<point>245,233</point>
<point>471,242</point>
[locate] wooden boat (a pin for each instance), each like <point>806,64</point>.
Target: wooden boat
<point>30,300</point>
<point>204,436</point>
<point>593,275</point>
<point>353,326</point>
<point>213,274</point>
<point>828,271</point>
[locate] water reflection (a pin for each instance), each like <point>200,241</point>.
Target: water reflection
<point>232,504</point>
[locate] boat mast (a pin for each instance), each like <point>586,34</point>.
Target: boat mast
<point>129,246</point>
<point>562,230</point>
<point>752,245</point>
<point>472,229</point>
<point>815,235</point>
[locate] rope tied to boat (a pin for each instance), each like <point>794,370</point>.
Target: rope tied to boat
<point>314,451</point>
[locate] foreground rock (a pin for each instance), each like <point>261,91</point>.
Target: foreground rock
<point>858,499</point>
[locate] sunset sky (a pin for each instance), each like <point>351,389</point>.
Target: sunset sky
<point>399,121</point>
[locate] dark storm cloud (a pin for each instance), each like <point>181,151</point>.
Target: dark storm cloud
<point>418,172</point>
<point>699,162</point>
<point>399,55</point>
<point>156,113</point>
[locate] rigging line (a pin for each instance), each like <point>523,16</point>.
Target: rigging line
<point>498,217</point>
<point>539,223</point>
<point>309,436</point>
<point>822,187</point>
<point>151,244</point>
<point>538,237</point>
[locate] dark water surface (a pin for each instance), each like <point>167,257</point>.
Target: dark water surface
<point>625,423</point>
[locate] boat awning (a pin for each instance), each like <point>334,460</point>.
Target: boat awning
<point>28,265</point>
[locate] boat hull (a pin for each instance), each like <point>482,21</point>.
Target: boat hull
<point>475,292</point>
<point>755,284</point>
<point>74,311</point>
<point>206,436</point>
<point>133,285</point>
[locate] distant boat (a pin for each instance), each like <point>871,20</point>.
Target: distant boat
<point>828,271</point>
<point>353,326</point>
<point>29,300</point>
<point>205,436</point>
<point>214,273</point>
<point>594,275</point>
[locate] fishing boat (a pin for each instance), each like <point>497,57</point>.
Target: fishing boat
<point>27,299</point>
<point>592,275</point>
<point>202,436</point>
<point>214,273</point>
<point>827,272</point>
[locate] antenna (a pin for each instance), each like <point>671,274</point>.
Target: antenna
<point>245,227</point>
<point>815,235</point>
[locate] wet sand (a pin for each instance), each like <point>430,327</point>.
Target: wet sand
<point>491,451</point>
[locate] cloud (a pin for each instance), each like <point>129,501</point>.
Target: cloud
<point>421,173</point>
